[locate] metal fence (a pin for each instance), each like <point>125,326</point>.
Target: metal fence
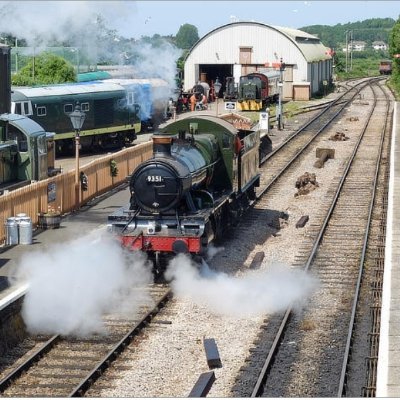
<point>57,194</point>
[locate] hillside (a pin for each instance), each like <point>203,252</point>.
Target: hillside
<point>369,30</point>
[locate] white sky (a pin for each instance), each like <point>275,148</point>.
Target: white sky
<point>145,18</point>
<point>165,17</point>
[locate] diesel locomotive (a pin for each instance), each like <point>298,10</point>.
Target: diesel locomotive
<point>115,109</point>
<point>201,178</point>
<point>257,90</point>
<point>385,67</point>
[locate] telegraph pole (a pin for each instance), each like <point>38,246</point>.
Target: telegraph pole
<point>280,84</point>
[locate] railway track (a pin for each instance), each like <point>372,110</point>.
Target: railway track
<point>68,366</point>
<point>316,347</point>
<point>277,162</point>
<point>248,376</point>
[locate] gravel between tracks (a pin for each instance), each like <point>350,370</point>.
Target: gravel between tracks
<point>168,362</point>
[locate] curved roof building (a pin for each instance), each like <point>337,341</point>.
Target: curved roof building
<point>239,48</point>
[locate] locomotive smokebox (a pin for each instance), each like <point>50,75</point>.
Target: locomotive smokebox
<point>5,79</point>
<point>162,145</point>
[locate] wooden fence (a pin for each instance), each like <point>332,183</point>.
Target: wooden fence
<point>58,193</point>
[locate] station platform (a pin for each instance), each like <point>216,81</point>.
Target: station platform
<point>388,374</point>
<point>90,217</point>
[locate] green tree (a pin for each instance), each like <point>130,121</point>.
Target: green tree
<point>394,48</point>
<point>45,69</point>
<point>187,36</point>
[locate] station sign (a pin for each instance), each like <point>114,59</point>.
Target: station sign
<point>230,105</point>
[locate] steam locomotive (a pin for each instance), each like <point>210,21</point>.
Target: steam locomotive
<point>257,90</point>
<point>201,178</point>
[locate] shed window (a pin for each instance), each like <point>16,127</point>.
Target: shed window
<point>68,108</point>
<point>85,107</point>
<point>41,111</point>
<point>245,55</point>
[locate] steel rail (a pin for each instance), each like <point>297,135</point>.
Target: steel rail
<point>98,370</point>
<point>258,388</point>
<point>281,147</point>
<point>17,372</point>
<point>342,382</point>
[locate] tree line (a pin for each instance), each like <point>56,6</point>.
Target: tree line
<point>370,30</point>
<point>51,68</point>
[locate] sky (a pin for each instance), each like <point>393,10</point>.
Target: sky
<point>206,15</point>
<point>133,19</point>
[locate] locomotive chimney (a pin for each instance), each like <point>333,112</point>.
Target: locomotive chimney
<point>162,145</point>
<point>5,81</point>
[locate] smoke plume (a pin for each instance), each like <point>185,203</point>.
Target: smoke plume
<point>72,285</point>
<point>255,293</point>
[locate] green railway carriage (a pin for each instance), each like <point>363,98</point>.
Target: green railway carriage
<point>112,116</point>
<point>26,151</point>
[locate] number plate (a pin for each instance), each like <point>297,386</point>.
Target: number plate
<point>155,178</point>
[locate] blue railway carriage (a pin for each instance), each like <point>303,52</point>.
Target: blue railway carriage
<point>112,116</point>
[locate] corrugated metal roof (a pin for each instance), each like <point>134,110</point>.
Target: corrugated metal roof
<point>93,76</point>
<point>65,89</point>
<point>155,82</point>
<point>310,46</point>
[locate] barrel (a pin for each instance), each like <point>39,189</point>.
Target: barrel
<point>11,231</point>
<point>25,230</point>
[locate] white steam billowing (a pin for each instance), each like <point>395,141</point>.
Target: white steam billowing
<point>61,20</point>
<point>258,292</point>
<point>90,28</point>
<point>73,284</point>
<point>90,32</point>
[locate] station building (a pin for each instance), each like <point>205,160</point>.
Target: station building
<point>240,48</point>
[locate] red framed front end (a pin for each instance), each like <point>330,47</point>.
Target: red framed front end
<point>160,243</point>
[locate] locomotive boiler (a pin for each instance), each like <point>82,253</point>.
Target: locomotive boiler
<point>203,174</point>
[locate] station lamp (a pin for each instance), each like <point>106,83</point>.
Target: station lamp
<point>217,88</point>
<point>77,118</point>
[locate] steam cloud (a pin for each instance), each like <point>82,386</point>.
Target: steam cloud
<point>258,292</point>
<point>91,29</point>
<point>61,19</point>
<point>73,284</point>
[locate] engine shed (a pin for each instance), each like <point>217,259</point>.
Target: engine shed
<point>239,48</point>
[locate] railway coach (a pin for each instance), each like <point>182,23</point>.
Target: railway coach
<point>112,116</point>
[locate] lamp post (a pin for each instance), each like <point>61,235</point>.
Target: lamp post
<point>280,84</point>
<point>77,118</point>
<point>217,88</point>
